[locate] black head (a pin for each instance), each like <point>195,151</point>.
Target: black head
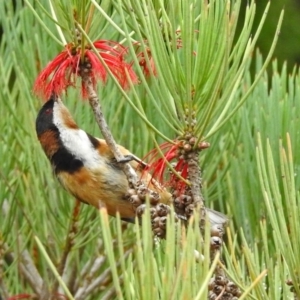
<point>44,120</point>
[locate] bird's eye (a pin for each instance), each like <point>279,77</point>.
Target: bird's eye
<point>48,110</point>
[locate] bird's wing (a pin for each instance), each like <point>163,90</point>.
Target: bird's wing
<point>216,218</point>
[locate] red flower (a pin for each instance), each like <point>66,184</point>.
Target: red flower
<point>21,296</point>
<point>28,296</point>
<point>64,69</point>
<point>149,66</point>
<point>158,165</point>
<point>177,154</point>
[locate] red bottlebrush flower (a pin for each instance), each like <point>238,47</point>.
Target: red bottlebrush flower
<point>21,296</point>
<point>147,67</point>
<point>28,296</point>
<point>158,165</point>
<point>64,69</point>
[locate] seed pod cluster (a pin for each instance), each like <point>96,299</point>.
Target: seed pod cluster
<point>188,145</point>
<point>158,211</point>
<point>222,288</point>
<point>216,238</point>
<point>183,199</point>
<point>182,203</point>
<point>85,66</point>
<point>78,36</point>
<point>290,283</point>
<point>138,196</point>
<point>158,215</point>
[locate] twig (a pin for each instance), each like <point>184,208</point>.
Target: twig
<point>85,275</point>
<point>71,273</point>
<point>96,283</point>
<point>111,293</point>
<point>195,177</point>
<point>27,269</point>
<point>30,272</point>
<point>137,185</point>
<point>97,264</point>
<point>221,294</point>
<point>3,290</point>
<point>53,269</point>
<point>26,264</point>
<point>81,294</point>
<point>69,243</point>
<point>97,109</point>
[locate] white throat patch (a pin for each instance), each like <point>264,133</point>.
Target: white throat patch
<point>76,140</point>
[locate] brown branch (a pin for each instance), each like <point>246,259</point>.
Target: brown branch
<point>195,177</point>
<point>195,188</point>
<point>87,272</point>
<point>3,289</point>
<point>71,273</point>
<point>30,272</point>
<point>100,119</point>
<point>94,284</point>
<point>111,293</point>
<point>141,190</point>
<point>25,263</point>
<point>85,286</point>
<point>68,245</point>
<point>27,269</point>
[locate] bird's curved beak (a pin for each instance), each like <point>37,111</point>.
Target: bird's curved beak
<point>55,97</point>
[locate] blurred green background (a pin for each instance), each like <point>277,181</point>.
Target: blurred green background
<point>288,47</point>
<point>231,175</point>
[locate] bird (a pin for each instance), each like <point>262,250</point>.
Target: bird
<point>86,168</point>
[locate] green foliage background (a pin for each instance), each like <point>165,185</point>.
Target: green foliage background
<point>255,184</point>
<point>287,49</point>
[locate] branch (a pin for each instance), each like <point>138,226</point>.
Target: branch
<point>69,243</point>
<point>195,177</point>
<point>95,267</point>
<point>27,269</point>
<point>141,189</point>
<point>97,109</point>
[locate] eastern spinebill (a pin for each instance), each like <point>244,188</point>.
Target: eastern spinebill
<point>87,169</point>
